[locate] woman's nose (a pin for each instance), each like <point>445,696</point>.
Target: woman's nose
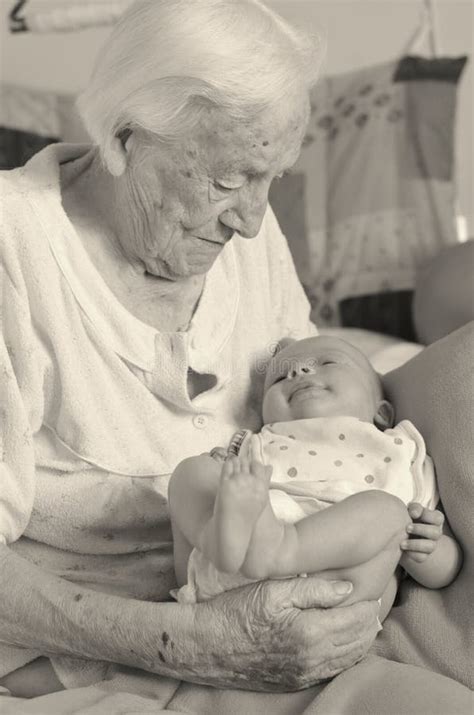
<point>247,215</point>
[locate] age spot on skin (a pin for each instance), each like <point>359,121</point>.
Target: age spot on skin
<point>78,597</point>
<point>265,143</point>
<point>161,656</point>
<point>165,638</point>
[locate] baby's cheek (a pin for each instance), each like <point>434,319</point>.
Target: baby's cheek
<point>275,406</point>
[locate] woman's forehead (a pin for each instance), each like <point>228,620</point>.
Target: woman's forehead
<point>250,147</point>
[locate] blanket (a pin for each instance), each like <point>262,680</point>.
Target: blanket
<point>435,390</point>
<point>429,633</point>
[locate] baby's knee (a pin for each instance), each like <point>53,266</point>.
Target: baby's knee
<point>188,475</point>
<point>199,472</point>
<point>192,467</point>
<point>390,510</point>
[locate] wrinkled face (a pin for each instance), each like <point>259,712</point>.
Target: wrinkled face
<point>187,200</point>
<point>320,377</point>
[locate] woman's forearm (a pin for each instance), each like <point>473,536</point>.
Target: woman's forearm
<point>274,636</point>
<point>53,616</point>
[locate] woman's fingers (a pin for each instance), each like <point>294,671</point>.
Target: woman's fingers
<point>311,592</point>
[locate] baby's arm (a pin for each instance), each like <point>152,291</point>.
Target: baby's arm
<point>432,555</point>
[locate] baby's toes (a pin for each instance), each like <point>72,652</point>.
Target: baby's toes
<point>258,471</point>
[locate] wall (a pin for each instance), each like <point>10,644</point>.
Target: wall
<point>359,33</point>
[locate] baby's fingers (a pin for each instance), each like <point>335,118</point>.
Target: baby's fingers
<point>415,510</point>
<point>426,531</point>
<point>425,515</point>
<point>421,546</point>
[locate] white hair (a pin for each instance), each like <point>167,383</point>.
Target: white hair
<point>168,60</point>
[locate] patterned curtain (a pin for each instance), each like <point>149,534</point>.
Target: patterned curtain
<point>371,198</point>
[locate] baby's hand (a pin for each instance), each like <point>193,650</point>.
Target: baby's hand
<point>424,533</point>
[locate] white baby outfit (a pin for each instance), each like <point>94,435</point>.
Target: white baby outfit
<point>318,462</point>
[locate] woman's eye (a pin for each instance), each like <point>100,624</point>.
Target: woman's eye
<point>223,187</point>
<point>219,190</point>
<point>226,186</point>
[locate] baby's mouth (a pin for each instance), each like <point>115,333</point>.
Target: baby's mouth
<point>306,389</point>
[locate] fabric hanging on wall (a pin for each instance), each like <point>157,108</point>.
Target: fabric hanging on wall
<point>371,198</point>
<point>31,119</point>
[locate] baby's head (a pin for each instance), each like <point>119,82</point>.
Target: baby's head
<point>324,377</point>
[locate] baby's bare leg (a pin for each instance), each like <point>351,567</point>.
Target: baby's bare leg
<point>375,579</point>
<point>214,507</point>
<point>347,534</point>
<point>241,497</point>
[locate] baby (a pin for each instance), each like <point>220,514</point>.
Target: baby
<point>326,487</point>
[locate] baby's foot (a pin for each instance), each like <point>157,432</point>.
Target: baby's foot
<point>241,498</point>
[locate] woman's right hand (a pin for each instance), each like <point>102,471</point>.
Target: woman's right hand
<point>273,636</point>
<point>280,635</point>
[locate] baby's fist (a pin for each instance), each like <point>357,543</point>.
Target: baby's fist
<point>424,532</point>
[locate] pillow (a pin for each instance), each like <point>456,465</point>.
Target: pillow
<point>371,198</point>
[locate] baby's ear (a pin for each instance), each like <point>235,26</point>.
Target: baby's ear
<point>385,415</point>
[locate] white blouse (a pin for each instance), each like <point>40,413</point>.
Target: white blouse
<point>95,412</point>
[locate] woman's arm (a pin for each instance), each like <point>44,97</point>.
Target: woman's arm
<point>274,636</point>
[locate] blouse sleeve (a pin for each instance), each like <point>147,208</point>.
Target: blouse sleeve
<point>18,404</point>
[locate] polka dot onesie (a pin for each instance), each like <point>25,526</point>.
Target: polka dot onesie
<point>318,462</point>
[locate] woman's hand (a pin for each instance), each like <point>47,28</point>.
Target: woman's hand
<point>271,636</point>
<point>280,635</point>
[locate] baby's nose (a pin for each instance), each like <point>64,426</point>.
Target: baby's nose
<point>302,370</point>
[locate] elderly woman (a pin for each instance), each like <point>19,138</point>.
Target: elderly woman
<point>136,316</point>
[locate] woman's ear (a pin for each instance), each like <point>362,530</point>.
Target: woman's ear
<point>385,415</point>
<point>116,155</point>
